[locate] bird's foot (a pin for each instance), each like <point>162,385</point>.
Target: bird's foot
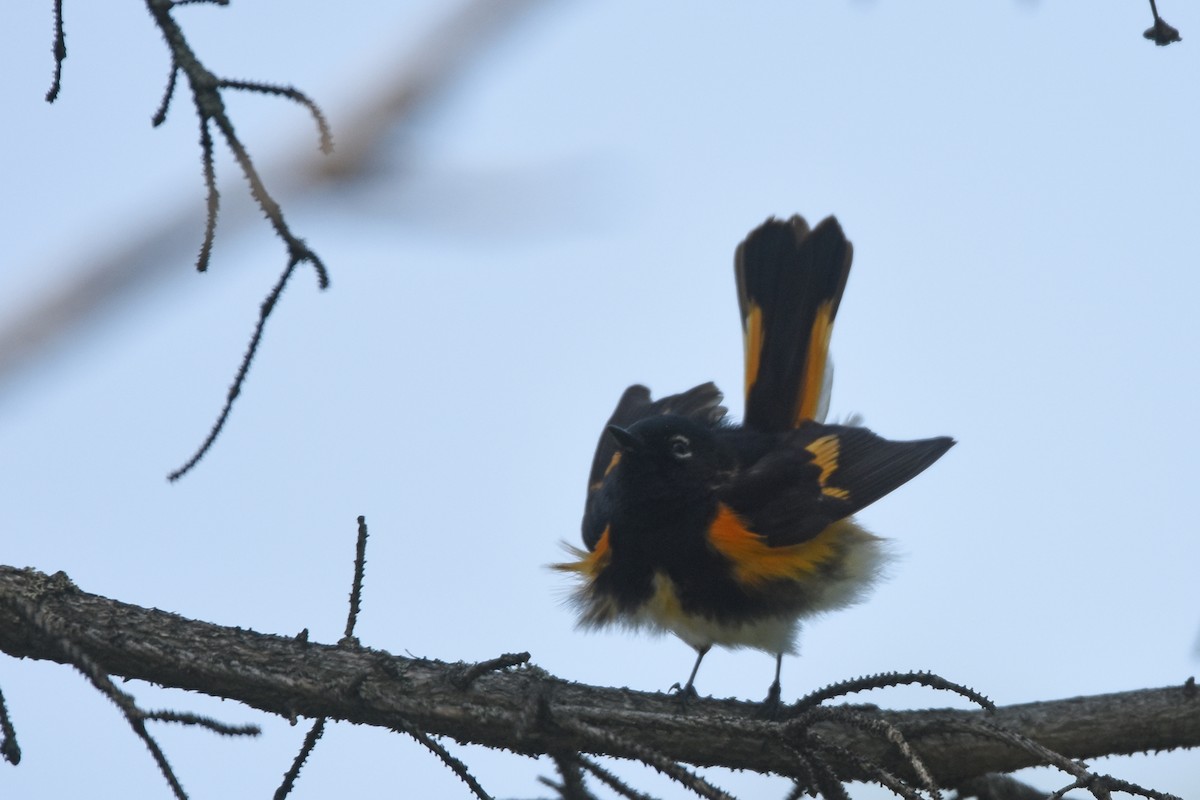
<point>772,705</point>
<point>684,694</point>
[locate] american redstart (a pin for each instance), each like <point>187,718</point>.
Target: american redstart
<point>731,534</point>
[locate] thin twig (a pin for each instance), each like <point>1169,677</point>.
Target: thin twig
<point>160,758</point>
<point>310,741</point>
<point>476,670</point>
<point>825,778</point>
<point>82,662</point>
<point>360,564</point>
<point>884,680</point>
<point>210,109</point>
<point>801,783</point>
<point>318,728</point>
<point>872,724</point>
<point>235,389</point>
<point>997,786</point>
<point>1161,33</point>
<point>212,196</point>
<point>652,758</point>
<point>297,250</point>
<point>293,94</point>
<point>185,718</point>
<point>160,116</point>
<point>1099,785</point>
<point>612,781</point>
<point>572,787</point>
<point>458,767</point>
<point>8,736</point>
<point>60,52</point>
<point>870,769</point>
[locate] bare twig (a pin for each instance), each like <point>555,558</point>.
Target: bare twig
<point>160,116</point>
<point>293,94</point>
<point>1100,786</point>
<point>997,786</point>
<point>212,196</point>
<point>572,786</point>
<point>8,736</point>
<point>612,781</point>
<point>268,305</point>
<point>318,728</point>
<point>472,673</point>
<point>185,718</point>
<point>456,766</point>
<point>418,79</point>
<point>1160,32</point>
<point>60,52</point>
<point>672,769</point>
<point>825,778</point>
<point>877,725</point>
<point>210,108</point>
<point>883,681</point>
<point>136,718</point>
<point>310,741</point>
<point>360,564</point>
<point>871,770</point>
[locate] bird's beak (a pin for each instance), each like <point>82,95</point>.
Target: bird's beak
<point>627,442</point>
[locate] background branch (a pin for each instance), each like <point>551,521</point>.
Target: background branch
<point>105,279</point>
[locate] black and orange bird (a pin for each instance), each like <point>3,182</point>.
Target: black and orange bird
<point>732,534</point>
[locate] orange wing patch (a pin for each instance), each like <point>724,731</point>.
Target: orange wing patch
<point>825,451</point>
<point>616,459</point>
<point>755,562</point>
<point>753,337</point>
<point>814,363</point>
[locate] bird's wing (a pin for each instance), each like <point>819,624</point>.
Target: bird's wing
<point>819,474</point>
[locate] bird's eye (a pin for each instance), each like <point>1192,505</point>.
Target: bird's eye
<point>681,448</point>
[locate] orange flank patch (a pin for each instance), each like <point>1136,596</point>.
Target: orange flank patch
<point>753,337</point>
<point>825,451</point>
<point>589,564</point>
<point>814,363</point>
<point>754,561</point>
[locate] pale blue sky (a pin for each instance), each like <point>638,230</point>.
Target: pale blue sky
<point>1020,181</point>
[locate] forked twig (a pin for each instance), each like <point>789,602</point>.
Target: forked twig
<point>206,91</point>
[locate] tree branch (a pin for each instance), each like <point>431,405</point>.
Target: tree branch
<point>528,711</point>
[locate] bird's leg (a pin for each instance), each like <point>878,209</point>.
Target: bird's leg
<point>688,689</point>
<point>772,703</point>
